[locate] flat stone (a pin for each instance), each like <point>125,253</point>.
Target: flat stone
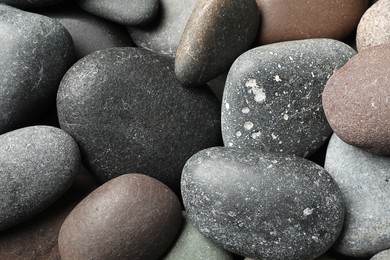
<point>31,4</point>
<point>374,27</point>
<point>163,35</point>
<point>355,100</point>
<point>89,33</point>
<point>286,20</point>
<point>125,12</point>
<point>217,32</point>
<point>128,113</point>
<point>37,165</point>
<point>34,56</point>
<point>383,255</point>
<point>191,244</point>
<point>130,217</point>
<point>262,205</point>
<point>272,97</point>
<point>364,180</point>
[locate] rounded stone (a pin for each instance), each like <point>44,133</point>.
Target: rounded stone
<point>272,97</point>
<point>37,165</point>
<point>217,32</point>
<point>191,244</point>
<point>262,205</point>
<point>383,255</point>
<point>374,26</point>
<point>355,100</point>
<point>35,53</point>
<point>128,112</point>
<point>125,12</point>
<point>286,20</point>
<point>130,217</point>
<point>365,183</point>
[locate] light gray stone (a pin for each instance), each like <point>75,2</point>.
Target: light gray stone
<point>383,255</point>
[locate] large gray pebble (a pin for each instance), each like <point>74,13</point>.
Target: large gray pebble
<point>262,205</point>
<point>37,165</point>
<point>272,98</point>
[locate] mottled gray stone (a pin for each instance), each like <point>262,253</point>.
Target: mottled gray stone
<point>163,35</point>
<point>191,244</point>
<point>89,33</point>
<point>35,53</point>
<point>128,113</point>
<point>37,165</point>
<point>262,205</point>
<point>383,255</point>
<point>31,4</point>
<point>126,12</point>
<point>272,97</point>
<point>364,180</point>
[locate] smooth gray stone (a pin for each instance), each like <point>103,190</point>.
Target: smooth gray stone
<point>383,255</point>
<point>31,4</point>
<point>163,35</point>
<point>125,12</point>
<point>364,180</point>
<point>37,165</point>
<point>129,113</point>
<point>191,244</point>
<point>89,33</point>
<point>35,53</point>
<point>262,205</point>
<point>272,97</point>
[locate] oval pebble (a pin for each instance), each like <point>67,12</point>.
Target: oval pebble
<point>262,205</point>
<point>130,217</point>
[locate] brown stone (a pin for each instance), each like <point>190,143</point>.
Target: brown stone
<point>285,20</point>
<point>132,216</point>
<point>356,100</point>
<point>374,27</point>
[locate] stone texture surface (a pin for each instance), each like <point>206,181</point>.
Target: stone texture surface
<point>130,217</point>
<point>217,32</point>
<point>364,180</point>
<point>285,20</point>
<point>163,35</point>
<point>355,100</point>
<point>31,4</point>
<point>191,244</point>
<point>383,255</point>
<point>272,97</point>
<point>125,12</point>
<point>35,53</point>
<point>37,165</point>
<point>374,27</point>
<point>262,205</point>
<point>128,113</point>
<point>89,33</point>
<point>37,238</point>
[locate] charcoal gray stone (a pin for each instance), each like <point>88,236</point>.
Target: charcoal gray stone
<point>163,35</point>
<point>31,4</point>
<point>364,180</point>
<point>37,165</point>
<point>35,53</point>
<point>125,12</point>
<point>129,113</point>
<point>272,97</point>
<point>262,205</point>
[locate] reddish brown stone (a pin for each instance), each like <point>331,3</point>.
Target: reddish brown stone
<point>356,100</point>
<point>284,20</point>
<point>132,216</point>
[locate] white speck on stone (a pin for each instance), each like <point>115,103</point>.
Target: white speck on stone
<point>312,74</point>
<point>285,117</point>
<point>256,90</point>
<point>307,211</point>
<point>231,214</point>
<point>276,94</point>
<point>227,105</point>
<point>256,135</point>
<point>245,110</point>
<point>250,83</point>
<point>279,66</point>
<point>277,78</point>
<point>238,134</point>
<point>315,238</point>
<point>271,53</point>
<point>230,144</point>
<point>248,125</point>
<point>274,161</point>
<point>274,136</point>
<point>280,142</point>
<point>291,58</point>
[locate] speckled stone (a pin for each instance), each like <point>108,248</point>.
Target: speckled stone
<point>89,33</point>
<point>128,113</point>
<point>262,205</point>
<point>217,32</point>
<point>355,100</point>
<point>191,244</point>
<point>130,217</point>
<point>31,4</point>
<point>163,35</point>
<point>286,20</point>
<point>37,165</point>
<point>35,53</point>
<point>364,180</point>
<point>272,97</point>
<point>323,257</point>
<point>125,12</point>
<point>374,27</point>
<point>383,255</point>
